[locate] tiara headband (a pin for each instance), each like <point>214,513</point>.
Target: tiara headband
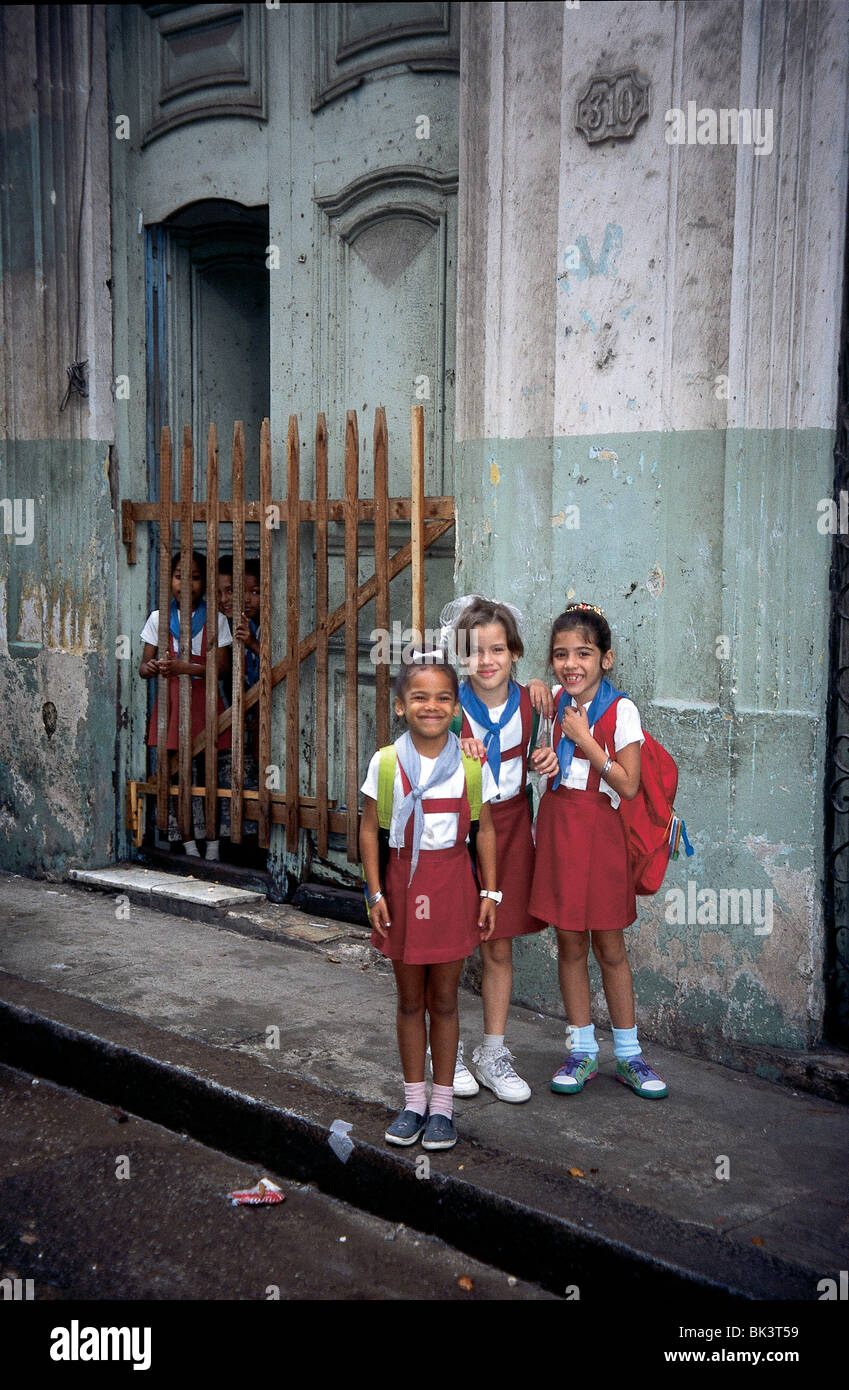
<point>589,607</point>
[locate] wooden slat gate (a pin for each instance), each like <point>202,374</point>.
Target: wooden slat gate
<point>429,518</point>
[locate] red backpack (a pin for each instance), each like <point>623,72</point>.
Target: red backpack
<point>653,830</point>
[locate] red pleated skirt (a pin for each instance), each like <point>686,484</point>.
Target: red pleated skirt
<point>514,867</point>
<point>582,873</point>
<point>436,918</point>
<point>198,715</point>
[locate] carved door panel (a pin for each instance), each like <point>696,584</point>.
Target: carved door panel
<point>375,209</point>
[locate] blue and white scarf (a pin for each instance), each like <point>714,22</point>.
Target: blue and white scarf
<point>198,619</point>
<point>445,766</point>
<point>601,701</point>
<point>479,712</point>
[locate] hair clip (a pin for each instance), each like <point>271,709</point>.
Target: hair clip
<point>453,612</point>
<point>589,607</point>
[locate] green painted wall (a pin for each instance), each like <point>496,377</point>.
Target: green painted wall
<point>58,602</point>
<point>685,538</point>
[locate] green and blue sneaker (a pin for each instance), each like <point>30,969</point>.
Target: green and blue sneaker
<point>574,1074</point>
<point>643,1080</point>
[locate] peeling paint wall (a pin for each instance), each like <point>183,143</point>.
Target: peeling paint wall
<point>647,371</point>
<point>58,679</point>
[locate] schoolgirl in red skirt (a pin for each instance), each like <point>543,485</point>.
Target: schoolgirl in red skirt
<point>170,664</point>
<point>429,914</point>
<point>582,880</point>
<point>497,723</point>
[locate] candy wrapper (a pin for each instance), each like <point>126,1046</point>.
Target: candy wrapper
<point>265,1193</point>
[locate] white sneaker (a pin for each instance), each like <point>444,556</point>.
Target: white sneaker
<point>495,1070</point>
<point>464,1082</point>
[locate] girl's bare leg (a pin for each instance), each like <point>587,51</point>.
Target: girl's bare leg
<point>441,1001</point>
<point>497,983</point>
<point>609,951</point>
<point>410,1018</point>
<point>572,951</point>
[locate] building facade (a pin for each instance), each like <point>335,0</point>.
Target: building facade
<point>603,245</point>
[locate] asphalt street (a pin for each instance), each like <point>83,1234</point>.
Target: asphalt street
<point>98,1204</point>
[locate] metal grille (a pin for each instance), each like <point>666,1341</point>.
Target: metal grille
<point>837,770</point>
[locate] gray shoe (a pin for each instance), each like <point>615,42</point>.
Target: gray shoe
<point>440,1133</point>
<point>406,1128</point>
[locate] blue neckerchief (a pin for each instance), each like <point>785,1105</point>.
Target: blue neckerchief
<point>251,659</point>
<point>601,701</point>
<point>474,706</point>
<point>198,619</point>
<point>445,766</point>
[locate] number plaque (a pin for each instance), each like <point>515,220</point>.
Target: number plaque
<point>612,105</point>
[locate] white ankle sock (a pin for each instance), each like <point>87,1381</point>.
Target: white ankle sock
<point>189,847</point>
<point>212,849</point>
<point>492,1042</point>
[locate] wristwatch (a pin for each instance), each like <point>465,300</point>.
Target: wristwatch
<point>492,893</point>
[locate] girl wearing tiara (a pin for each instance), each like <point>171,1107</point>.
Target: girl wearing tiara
<point>582,876</point>
<point>498,724</point>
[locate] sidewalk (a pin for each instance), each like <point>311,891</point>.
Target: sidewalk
<point>171,1018</point>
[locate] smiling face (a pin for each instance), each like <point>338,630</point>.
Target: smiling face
<point>490,663</point>
<point>579,664</point>
<point>428,704</point>
<point>225,595</point>
<point>197,585</point>
<point>251,595</point>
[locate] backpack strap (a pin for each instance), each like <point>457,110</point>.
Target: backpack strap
<point>474,785</point>
<point>386,784</point>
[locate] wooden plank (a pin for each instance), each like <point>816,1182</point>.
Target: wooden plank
<point>322,722</point>
<point>237,709</point>
<point>187,474</point>
<point>435,509</point>
<point>381,567</point>
<point>365,593</point>
<point>352,488</point>
<point>133,812</point>
<point>249,795</point>
<point>128,530</point>
<point>211,764</point>
<point>265,633</point>
<point>308,813</point>
<point>163,647</point>
<point>417,519</point>
<point>293,608</point>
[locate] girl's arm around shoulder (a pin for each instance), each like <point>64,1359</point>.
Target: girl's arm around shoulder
<point>369,854</point>
<point>541,697</point>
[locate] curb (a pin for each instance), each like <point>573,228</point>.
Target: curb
<point>821,1072</point>
<point>517,1215</point>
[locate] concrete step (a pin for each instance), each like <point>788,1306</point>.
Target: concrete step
<point>167,892</point>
